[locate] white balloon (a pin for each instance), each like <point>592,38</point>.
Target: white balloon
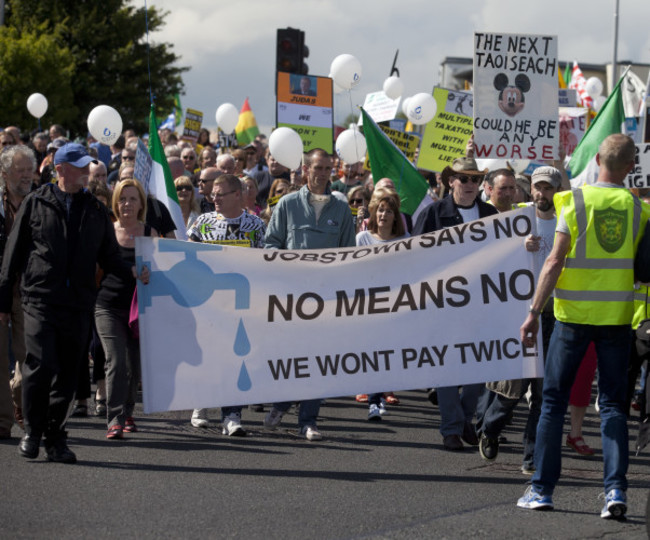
<point>105,124</point>
<point>351,146</point>
<point>405,105</point>
<point>37,105</point>
<point>393,87</point>
<point>346,71</point>
<point>599,101</point>
<point>286,147</point>
<point>594,87</point>
<point>519,165</point>
<point>421,108</point>
<point>227,117</point>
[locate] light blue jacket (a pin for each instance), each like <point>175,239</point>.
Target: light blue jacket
<point>293,224</point>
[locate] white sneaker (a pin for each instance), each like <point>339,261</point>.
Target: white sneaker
<point>232,426</point>
<point>200,418</point>
<point>382,408</point>
<point>374,415</point>
<point>311,433</point>
<point>273,418</point>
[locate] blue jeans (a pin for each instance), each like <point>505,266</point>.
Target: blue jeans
<point>307,412</point>
<point>457,409</point>
<point>566,350</point>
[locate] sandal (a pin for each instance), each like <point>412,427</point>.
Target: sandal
<point>362,398</point>
<point>392,399</point>
<point>80,411</point>
<point>129,425</point>
<point>115,432</point>
<point>579,445</point>
<point>100,407</point>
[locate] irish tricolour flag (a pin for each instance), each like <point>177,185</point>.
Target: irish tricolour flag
<point>161,183</point>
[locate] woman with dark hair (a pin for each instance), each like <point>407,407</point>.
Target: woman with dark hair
<point>112,312</point>
<point>203,141</point>
<point>279,188</point>
<point>358,199</point>
<point>384,225</point>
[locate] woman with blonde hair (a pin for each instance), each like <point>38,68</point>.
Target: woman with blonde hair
<point>187,200</point>
<point>112,310</point>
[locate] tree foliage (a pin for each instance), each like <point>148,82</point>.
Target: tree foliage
<point>105,42</point>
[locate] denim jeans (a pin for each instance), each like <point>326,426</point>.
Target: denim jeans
<point>456,408</point>
<point>307,412</point>
<point>566,350</point>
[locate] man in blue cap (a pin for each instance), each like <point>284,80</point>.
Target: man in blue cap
<point>59,235</point>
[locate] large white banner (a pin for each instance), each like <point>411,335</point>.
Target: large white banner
<point>515,96</point>
<point>221,325</point>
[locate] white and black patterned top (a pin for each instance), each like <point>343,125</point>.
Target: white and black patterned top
<point>245,230</point>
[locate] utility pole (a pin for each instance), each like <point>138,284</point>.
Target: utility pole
<point>615,58</point>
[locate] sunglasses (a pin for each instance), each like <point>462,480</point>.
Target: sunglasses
<point>356,201</point>
<point>464,179</point>
<point>183,188</point>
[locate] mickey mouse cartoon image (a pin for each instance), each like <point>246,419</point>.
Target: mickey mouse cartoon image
<point>511,98</point>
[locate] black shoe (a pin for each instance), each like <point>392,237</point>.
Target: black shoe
<point>80,411</point>
<point>453,443</point>
<point>488,447</point>
<point>256,408</point>
<point>100,407</point>
<point>432,396</point>
<point>59,452</point>
<point>29,446</point>
<point>469,434</point>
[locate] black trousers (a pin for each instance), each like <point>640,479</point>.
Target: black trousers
<point>55,340</point>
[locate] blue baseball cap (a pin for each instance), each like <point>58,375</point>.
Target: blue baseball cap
<point>74,154</point>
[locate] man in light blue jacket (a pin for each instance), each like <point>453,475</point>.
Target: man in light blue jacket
<point>309,219</point>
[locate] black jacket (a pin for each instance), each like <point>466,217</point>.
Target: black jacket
<point>442,214</point>
<point>37,248</point>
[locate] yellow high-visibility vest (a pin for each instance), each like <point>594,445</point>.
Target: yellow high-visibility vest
<point>596,285</point>
<point>641,307</point>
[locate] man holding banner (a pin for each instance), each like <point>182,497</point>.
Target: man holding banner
<point>309,219</point>
<point>591,268</point>
<point>463,205</point>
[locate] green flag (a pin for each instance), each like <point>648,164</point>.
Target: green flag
<point>567,74</point>
<point>161,183</point>
<point>608,120</point>
<point>388,161</point>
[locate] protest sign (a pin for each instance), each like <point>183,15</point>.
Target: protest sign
<point>446,135</point>
<point>515,96</point>
<point>380,107</point>
<point>406,143</point>
<point>573,124</point>
<point>567,97</point>
<point>640,176</point>
<point>143,165</point>
<point>192,126</point>
<point>222,325</point>
<point>307,109</point>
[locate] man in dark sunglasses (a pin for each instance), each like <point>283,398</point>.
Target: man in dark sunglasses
<point>462,204</point>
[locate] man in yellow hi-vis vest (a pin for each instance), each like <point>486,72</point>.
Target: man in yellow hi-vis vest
<point>591,267</point>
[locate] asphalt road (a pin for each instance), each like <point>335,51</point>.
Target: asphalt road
<point>364,480</point>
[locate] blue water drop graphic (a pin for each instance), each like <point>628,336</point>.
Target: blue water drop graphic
<point>242,345</point>
<point>244,381</point>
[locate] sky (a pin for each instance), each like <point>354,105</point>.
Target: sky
<point>230,46</point>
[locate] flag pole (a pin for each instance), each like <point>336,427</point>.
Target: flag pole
<point>615,55</point>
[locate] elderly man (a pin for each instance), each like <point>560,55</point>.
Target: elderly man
<point>226,164</point>
<point>98,173</point>
<point>591,268</point>
<point>501,188</point>
<point>206,184</point>
<point>60,234</point>
<point>309,219</point>
<point>228,224</point>
<point>188,155</point>
<point>463,205</point>
<point>17,166</point>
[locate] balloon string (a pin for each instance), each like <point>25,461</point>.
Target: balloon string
<point>146,21</point>
<point>356,150</point>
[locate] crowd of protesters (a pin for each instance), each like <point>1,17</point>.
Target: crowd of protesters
<point>71,211</point>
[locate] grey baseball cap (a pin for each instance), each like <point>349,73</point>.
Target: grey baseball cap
<point>547,174</point>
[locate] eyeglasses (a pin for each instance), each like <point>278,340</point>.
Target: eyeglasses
<point>7,143</point>
<point>221,195</point>
<point>356,201</point>
<point>206,180</point>
<point>183,188</point>
<point>187,157</point>
<point>464,179</point>
<point>128,158</point>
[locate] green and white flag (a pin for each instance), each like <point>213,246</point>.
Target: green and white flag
<point>609,120</point>
<point>388,161</point>
<point>161,183</point>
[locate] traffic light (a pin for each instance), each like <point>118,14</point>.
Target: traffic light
<point>291,51</point>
